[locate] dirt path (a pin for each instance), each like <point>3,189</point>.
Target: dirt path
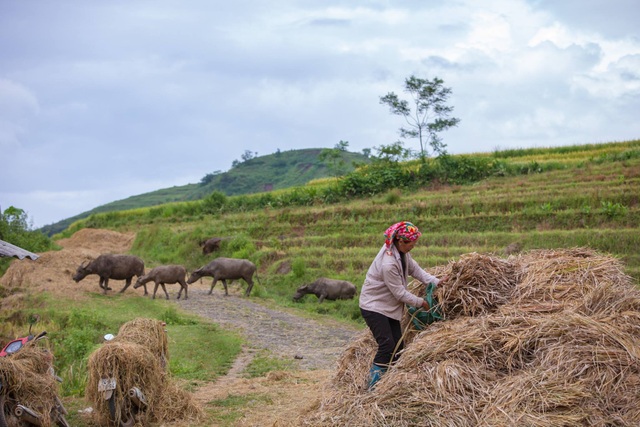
<point>312,347</point>
<point>308,343</point>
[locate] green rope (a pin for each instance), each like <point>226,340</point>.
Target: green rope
<point>421,317</point>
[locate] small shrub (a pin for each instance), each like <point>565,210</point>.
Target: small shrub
<point>392,197</point>
<point>214,202</point>
<point>613,210</point>
<point>298,266</point>
<point>241,246</point>
<point>547,207</point>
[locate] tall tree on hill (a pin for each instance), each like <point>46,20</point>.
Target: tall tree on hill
<point>429,115</point>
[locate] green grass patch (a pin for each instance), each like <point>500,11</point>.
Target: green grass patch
<point>201,351</point>
<point>227,411</point>
<point>263,363</point>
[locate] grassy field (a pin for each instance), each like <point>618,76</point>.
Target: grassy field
<point>579,196</point>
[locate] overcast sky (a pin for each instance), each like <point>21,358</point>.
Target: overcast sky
<point>102,100</point>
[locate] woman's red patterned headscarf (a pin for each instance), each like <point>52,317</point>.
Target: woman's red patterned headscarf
<point>403,230</point>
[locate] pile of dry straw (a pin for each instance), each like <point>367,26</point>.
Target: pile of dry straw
<point>138,357</point>
<point>546,338</point>
<point>25,377</point>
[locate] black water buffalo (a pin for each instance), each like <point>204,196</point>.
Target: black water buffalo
<point>224,269</point>
<point>116,267</point>
<point>165,274</point>
<point>210,245</point>
<point>325,288</point>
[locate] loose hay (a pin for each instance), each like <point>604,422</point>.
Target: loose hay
<point>25,376</point>
<point>547,338</point>
<point>564,276</point>
<point>178,405</point>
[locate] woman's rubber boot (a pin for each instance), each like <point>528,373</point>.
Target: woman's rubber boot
<point>375,373</point>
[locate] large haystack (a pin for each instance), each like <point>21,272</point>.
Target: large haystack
<point>547,338</point>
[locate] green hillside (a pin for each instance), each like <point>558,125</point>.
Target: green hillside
<point>264,173</point>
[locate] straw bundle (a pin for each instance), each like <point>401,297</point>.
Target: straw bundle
<point>476,285</point>
<point>149,333</point>
<point>139,357</point>
<point>133,366</point>
<point>25,376</point>
<point>572,359</point>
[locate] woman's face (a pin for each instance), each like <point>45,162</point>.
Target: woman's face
<point>405,247</point>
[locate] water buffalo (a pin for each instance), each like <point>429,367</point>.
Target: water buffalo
<point>210,245</point>
<point>325,288</point>
<point>165,274</point>
<point>117,267</point>
<point>224,269</point>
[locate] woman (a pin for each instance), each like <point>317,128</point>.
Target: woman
<point>385,293</point>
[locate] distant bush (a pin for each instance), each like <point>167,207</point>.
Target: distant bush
<point>214,202</point>
<point>392,197</point>
<point>15,229</point>
<point>613,210</point>
<point>299,267</point>
<point>242,246</point>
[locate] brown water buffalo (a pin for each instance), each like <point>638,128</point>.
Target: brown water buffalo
<point>116,267</point>
<point>224,269</point>
<point>210,245</point>
<point>325,288</point>
<point>165,274</point>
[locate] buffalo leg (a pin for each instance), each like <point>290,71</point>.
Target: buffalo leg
<point>164,289</point>
<point>183,285</point>
<point>127,283</point>
<point>249,286</point>
<point>226,291</point>
<point>212,285</point>
<point>104,284</point>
